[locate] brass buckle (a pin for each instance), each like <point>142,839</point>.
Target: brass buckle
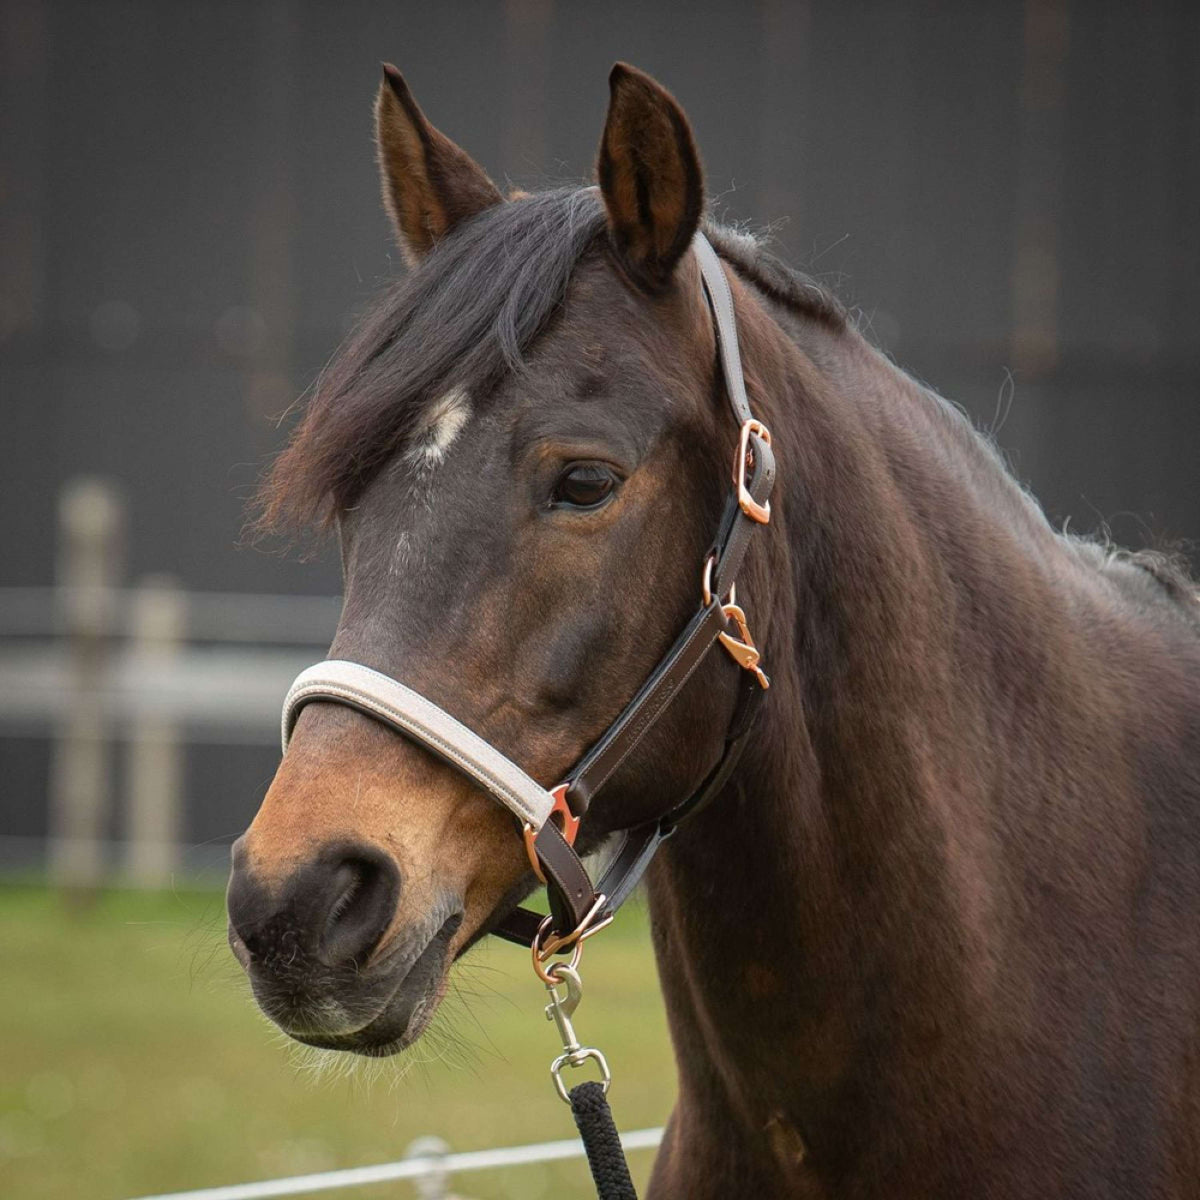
<point>743,652</point>
<point>755,511</point>
<point>569,827</point>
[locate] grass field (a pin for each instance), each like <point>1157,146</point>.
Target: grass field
<point>133,1060</point>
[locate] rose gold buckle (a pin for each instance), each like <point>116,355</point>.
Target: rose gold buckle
<point>755,511</point>
<point>569,827</point>
<point>743,652</point>
<point>542,950</point>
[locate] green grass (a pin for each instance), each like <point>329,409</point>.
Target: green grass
<point>133,1060</point>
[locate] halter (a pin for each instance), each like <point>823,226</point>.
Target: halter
<point>550,818</point>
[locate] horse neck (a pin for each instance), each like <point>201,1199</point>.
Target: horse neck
<point>835,878</point>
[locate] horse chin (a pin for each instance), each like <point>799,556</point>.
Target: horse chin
<point>394,1030</point>
<point>403,1015</point>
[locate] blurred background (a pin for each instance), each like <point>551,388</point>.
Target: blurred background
<point>1005,191</point>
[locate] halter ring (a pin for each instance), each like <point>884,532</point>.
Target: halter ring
<point>540,955</point>
<point>555,944</point>
<point>706,583</point>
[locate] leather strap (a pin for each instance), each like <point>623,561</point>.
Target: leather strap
<point>720,300</point>
<point>736,529</point>
<point>638,846</point>
<point>619,740</point>
<point>677,665</point>
<point>568,885</point>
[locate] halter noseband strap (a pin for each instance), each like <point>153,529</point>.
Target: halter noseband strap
<point>577,906</point>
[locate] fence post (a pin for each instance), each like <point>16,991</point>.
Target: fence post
<point>155,757</point>
<point>433,1183</point>
<point>91,519</point>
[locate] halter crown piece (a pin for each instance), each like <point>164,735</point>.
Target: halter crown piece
<point>550,818</point>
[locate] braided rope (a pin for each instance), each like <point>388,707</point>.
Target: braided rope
<point>594,1120</point>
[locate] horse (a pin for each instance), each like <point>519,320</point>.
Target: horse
<point>936,935</point>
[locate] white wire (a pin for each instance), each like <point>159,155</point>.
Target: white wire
<point>410,1168</point>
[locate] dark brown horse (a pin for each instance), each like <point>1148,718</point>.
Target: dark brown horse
<point>940,934</point>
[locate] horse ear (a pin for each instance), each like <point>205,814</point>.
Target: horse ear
<point>429,183</point>
<point>650,177</point>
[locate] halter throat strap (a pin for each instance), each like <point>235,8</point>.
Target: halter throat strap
<point>550,817</point>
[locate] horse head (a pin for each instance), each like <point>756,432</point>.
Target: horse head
<point>524,449</point>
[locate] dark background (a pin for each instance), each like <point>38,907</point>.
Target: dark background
<point>1008,193</point>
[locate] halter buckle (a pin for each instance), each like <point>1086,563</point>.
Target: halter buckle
<point>569,827</point>
<point>755,511</point>
<point>743,651</point>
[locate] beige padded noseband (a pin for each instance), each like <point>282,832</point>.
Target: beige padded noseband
<point>379,696</point>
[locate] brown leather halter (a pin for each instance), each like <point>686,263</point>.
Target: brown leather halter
<point>579,907</point>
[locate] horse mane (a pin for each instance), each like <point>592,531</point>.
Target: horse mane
<point>776,279</point>
<point>467,316</point>
<point>1167,569</point>
<point>464,318</point>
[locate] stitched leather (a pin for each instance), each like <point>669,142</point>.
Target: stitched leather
<point>619,740</point>
<point>568,885</point>
<point>638,846</point>
<point>720,299</point>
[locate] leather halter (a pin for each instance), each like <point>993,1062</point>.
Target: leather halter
<point>577,905</point>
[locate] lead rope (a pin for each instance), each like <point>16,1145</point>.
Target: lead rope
<point>588,1101</point>
<point>594,1120</point>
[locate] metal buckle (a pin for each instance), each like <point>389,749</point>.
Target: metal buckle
<point>573,940</point>
<point>743,652</point>
<point>569,827</point>
<point>755,511</point>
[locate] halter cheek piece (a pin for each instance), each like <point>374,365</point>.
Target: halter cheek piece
<point>550,818</point>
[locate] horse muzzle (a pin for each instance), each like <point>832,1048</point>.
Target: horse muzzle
<point>323,954</point>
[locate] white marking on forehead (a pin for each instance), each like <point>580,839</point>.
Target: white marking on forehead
<point>439,427</point>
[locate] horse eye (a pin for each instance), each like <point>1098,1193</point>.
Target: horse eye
<point>583,485</point>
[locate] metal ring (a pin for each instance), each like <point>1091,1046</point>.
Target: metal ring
<point>577,1059</point>
<point>585,929</point>
<point>540,955</point>
<point>706,583</point>
<point>557,945</point>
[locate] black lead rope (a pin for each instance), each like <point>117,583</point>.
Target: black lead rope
<point>594,1120</point>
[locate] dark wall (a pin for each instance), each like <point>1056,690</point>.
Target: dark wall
<point>190,216</point>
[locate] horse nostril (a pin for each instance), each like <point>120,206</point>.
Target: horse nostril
<point>363,890</point>
<point>334,909</point>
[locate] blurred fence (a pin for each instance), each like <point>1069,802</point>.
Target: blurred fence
<point>428,1166</point>
<point>93,664</point>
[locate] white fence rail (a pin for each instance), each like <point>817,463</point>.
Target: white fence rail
<point>90,663</point>
<point>428,1166</point>
<point>44,612</point>
<point>216,694</point>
